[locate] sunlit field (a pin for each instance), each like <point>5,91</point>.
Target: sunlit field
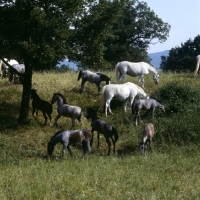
<point>170,171</point>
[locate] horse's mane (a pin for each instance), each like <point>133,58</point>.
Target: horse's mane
<point>102,75</point>
<point>56,134</point>
<point>152,68</point>
<point>62,96</point>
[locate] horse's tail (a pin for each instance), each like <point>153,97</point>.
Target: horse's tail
<point>114,130</point>
<point>197,65</point>
<point>103,98</point>
<point>117,72</point>
<point>79,75</point>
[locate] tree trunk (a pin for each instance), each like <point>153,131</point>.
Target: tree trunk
<point>27,83</point>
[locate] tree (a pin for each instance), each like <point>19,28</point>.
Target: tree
<point>182,58</point>
<point>110,34</point>
<point>38,33</point>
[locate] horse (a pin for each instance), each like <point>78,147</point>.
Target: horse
<point>14,76</point>
<point>135,69</point>
<point>197,64</point>
<point>70,137</point>
<point>126,91</point>
<point>64,109</point>
<point>148,134</point>
<point>39,104</point>
<point>4,67</point>
<point>92,77</point>
<point>102,127</point>
<point>146,104</point>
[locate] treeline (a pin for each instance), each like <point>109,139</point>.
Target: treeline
<point>182,59</point>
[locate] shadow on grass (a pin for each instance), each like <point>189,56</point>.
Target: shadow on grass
<point>8,116</point>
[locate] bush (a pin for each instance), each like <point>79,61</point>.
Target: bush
<point>176,97</point>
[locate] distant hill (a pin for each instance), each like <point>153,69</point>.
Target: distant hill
<point>156,58</point>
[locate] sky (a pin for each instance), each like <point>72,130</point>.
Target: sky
<point>182,15</point>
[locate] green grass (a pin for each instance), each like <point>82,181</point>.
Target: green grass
<point>171,171</point>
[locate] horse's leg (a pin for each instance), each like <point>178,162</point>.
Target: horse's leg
<point>91,142</point>
<point>141,78</point>
<point>150,143</point>
<point>113,141</point>
<point>137,117</point>
<point>108,106</point>
<point>64,150</point>
<point>33,111</point>
<point>70,151</point>
<point>80,122</point>
<point>98,86</point>
<point>123,78</point>
<point>73,123</point>
<point>82,85</point>
<point>56,119</point>
<point>109,145</point>
<point>49,118</point>
<point>153,112</point>
<point>45,116</point>
<point>98,138</point>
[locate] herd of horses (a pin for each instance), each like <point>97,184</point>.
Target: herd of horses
<point>123,92</point>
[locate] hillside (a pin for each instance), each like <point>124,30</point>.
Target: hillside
<point>156,58</point>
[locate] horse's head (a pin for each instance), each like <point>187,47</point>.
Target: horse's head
<point>33,92</point>
<point>156,78</point>
<point>162,107</point>
<point>142,147</point>
<point>89,113</point>
<point>108,80</point>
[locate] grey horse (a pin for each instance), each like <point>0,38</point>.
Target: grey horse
<point>145,104</point>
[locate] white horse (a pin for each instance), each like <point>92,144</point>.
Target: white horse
<point>121,92</point>
<point>4,67</point>
<point>135,69</point>
<point>197,64</point>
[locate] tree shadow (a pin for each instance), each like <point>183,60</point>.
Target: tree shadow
<point>8,113</point>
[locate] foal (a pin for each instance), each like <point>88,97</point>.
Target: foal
<point>39,104</point>
<point>69,137</point>
<point>92,77</point>
<point>102,127</point>
<point>145,104</point>
<point>148,134</point>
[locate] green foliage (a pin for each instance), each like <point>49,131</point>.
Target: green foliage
<point>177,98</point>
<point>109,34</point>
<point>182,59</point>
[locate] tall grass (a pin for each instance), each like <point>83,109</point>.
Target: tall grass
<point>169,172</point>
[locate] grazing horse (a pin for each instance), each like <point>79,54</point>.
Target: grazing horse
<point>102,127</point>
<point>145,104</point>
<point>121,92</point>
<point>13,76</point>
<point>4,67</point>
<point>92,77</point>
<point>197,64</point>
<point>148,134</point>
<point>39,104</point>
<point>64,109</point>
<point>70,137</point>
<point>135,69</point>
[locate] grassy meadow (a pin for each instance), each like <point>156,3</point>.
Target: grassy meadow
<point>170,171</point>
